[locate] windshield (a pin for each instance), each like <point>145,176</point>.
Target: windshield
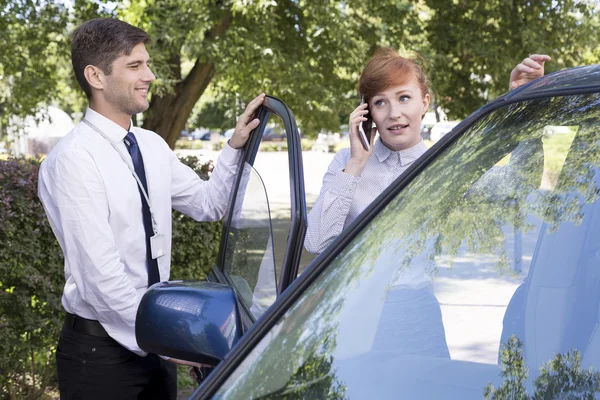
<point>481,279</point>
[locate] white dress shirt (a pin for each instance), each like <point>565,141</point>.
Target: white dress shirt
<point>94,207</point>
<point>343,196</point>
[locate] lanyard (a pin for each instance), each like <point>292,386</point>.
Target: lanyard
<point>127,160</point>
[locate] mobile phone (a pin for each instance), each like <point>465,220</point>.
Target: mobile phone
<point>364,129</point>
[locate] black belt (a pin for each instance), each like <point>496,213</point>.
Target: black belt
<point>85,326</point>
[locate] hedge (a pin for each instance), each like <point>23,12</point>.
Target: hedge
<point>32,277</point>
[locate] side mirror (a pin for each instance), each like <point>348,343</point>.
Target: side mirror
<point>192,321</point>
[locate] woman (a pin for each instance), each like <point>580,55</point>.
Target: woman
<point>396,98</point>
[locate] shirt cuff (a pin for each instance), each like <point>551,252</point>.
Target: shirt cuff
<point>344,184</point>
<point>230,155</point>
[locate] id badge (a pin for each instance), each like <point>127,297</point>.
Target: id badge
<point>158,245</point>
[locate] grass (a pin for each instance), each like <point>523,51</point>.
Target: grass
<point>556,148</point>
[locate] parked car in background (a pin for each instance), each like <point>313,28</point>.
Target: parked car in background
<point>185,135</point>
<point>273,134</point>
<point>326,141</point>
<point>440,129</point>
<point>270,134</point>
<point>204,136</point>
<point>228,133</point>
<point>475,273</point>
<point>429,120</point>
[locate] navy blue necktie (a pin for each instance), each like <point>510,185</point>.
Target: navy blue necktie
<point>138,166</point>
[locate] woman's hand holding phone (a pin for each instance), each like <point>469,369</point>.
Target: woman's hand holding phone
<point>359,153</point>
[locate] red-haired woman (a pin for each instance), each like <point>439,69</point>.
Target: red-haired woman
<point>395,91</point>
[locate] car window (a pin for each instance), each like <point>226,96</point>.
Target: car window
<point>480,279</point>
<point>257,237</point>
<point>272,161</point>
<point>249,254</point>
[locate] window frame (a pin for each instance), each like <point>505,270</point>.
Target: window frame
<point>293,250</point>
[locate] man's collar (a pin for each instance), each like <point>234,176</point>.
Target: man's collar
<point>112,130</point>
<point>407,156</point>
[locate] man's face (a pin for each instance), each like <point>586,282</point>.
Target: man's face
<point>126,88</point>
<point>397,112</point>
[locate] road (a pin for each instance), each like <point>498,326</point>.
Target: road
<point>273,168</point>
<point>274,172</point>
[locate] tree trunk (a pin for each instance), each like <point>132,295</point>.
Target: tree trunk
<point>168,115</point>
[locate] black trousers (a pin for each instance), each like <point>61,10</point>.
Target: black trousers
<point>91,367</point>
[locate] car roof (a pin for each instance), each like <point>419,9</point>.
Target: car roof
<point>573,79</point>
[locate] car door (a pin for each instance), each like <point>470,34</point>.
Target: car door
<point>414,299</point>
<point>262,242</point>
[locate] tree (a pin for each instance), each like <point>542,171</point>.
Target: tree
<point>475,44</point>
<point>35,65</point>
<point>310,53</point>
<point>32,46</point>
<point>307,53</point>
<point>560,378</point>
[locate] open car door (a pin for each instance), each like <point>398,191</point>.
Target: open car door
<point>258,258</point>
<point>265,222</point>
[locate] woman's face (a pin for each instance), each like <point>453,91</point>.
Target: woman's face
<point>397,112</point>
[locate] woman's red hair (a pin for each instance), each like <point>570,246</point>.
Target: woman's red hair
<point>387,68</point>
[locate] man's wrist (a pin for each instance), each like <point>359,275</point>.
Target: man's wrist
<point>233,146</point>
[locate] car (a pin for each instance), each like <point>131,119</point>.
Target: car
<point>326,141</point>
<point>200,134</point>
<point>273,134</point>
<point>228,133</point>
<point>185,135</point>
<point>205,136</point>
<point>440,129</point>
<point>475,274</point>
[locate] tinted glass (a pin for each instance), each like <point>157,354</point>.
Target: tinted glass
<point>261,222</point>
<point>272,162</point>
<point>249,256</point>
<point>480,279</point>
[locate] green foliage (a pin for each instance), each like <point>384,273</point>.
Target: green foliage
<point>185,382</point>
<point>184,144</point>
<point>563,378</point>
<point>215,115</point>
<point>35,64</point>
<point>31,281</point>
<point>32,277</point>
<point>195,245</point>
<point>514,372</point>
<point>468,69</point>
<point>273,146</point>
<point>560,378</point>
<point>307,144</point>
<point>32,46</point>
<point>308,53</point>
<point>313,380</point>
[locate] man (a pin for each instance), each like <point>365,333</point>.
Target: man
<point>108,188</point>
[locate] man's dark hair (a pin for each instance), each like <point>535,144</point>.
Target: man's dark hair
<point>99,42</point>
